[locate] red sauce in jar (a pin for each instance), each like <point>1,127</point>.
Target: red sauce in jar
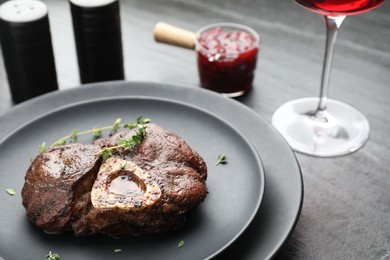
<point>227,60</point>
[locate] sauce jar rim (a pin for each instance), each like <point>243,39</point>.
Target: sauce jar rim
<point>241,27</point>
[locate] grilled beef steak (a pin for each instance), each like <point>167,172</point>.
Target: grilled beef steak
<point>147,189</point>
<point>58,184</point>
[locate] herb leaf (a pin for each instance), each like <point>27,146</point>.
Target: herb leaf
<point>126,142</point>
<point>139,121</point>
<point>123,164</point>
<point>180,244</point>
<point>74,136</point>
<point>42,147</point>
<point>96,132</point>
<point>115,126</point>
<point>53,256</point>
<point>60,142</point>
<point>10,191</point>
<point>106,153</point>
<point>221,159</point>
<point>133,140</point>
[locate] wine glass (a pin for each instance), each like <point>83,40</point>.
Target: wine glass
<point>320,126</point>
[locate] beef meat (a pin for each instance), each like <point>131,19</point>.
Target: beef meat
<point>147,189</point>
<point>58,184</point>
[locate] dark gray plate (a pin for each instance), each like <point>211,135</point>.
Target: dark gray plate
<point>235,189</point>
<point>282,201</point>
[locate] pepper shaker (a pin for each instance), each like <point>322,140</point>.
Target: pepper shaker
<point>27,49</point>
<point>97,32</point>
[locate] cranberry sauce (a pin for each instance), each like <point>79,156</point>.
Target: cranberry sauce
<point>227,60</point>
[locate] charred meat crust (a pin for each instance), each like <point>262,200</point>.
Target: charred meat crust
<point>67,187</point>
<point>57,181</point>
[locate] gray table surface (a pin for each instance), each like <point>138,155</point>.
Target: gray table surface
<point>346,209</point>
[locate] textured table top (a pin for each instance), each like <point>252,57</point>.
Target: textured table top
<point>346,208</point>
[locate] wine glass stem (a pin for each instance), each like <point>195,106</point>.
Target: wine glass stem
<point>332,23</point>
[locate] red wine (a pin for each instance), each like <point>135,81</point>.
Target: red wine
<point>339,7</point>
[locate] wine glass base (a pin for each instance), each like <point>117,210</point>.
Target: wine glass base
<point>341,130</point>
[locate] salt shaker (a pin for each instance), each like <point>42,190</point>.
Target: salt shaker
<point>27,49</point>
<point>97,31</point>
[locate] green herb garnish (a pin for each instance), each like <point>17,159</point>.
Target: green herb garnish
<point>116,126</point>
<point>106,153</point>
<point>221,159</point>
<point>139,121</point>
<point>74,136</point>
<point>53,256</point>
<point>60,142</point>
<point>42,147</point>
<point>180,244</point>
<point>126,143</point>
<point>123,164</point>
<point>10,191</point>
<point>97,132</point>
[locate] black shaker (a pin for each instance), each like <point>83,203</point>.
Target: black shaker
<point>97,32</point>
<point>27,49</point>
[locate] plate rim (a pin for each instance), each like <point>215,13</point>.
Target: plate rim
<point>194,95</point>
<point>260,171</point>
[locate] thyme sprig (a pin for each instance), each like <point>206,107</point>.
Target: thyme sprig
<point>53,256</point>
<point>180,244</point>
<point>126,143</point>
<point>96,132</point>
<point>221,159</point>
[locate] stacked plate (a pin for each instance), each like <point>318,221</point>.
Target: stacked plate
<point>254,200</point>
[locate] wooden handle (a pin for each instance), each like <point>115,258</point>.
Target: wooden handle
<point>169,34</point>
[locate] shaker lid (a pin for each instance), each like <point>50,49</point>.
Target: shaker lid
<point>22,10</point>
<point>91,3</point>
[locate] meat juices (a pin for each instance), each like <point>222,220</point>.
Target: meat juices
<point>145,190</point>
